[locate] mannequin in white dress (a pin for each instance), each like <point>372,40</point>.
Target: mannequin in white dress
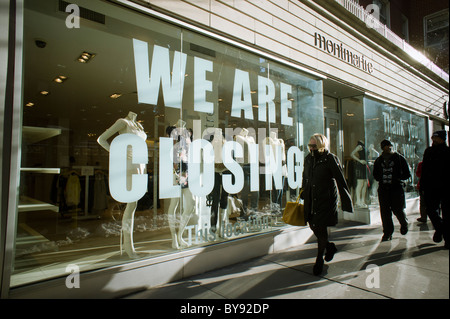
<point>182,140</point>
<point>122,126</point>
<point>274,142</point>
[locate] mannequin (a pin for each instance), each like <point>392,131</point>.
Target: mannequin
<point>219,204</point>
<point>245,139</point>
<point>360,174</point>
<point>182,140</point>
<point>274,142</point>
<point>122,126</point>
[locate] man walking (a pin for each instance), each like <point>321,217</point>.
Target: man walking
<point>390,170</point>
<point>434,183</point>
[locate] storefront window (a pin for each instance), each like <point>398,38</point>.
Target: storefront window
<point>406,131</point>
<point>136,138</point>
<point>354,139</point>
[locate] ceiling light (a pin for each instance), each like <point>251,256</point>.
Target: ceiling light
<point>44,92</point>
<point>60,79</point>
<point>85,57</point>
<point>30,104</point>
<point>115,95</point>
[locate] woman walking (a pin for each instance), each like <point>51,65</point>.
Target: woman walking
<point>322,178</point>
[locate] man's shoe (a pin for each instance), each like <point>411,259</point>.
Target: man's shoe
<point>331,250</point>
<point>386,238</point>
<point>318,267</point>
<point>437,237</point>
<point>404,229</point>
<point>421,220</point>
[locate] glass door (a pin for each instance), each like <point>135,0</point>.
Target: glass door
<point>332,126</point>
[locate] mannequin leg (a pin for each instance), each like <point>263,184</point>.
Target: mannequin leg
<point>188,210</point>
<point>223,218</point>
<point>361,189</point>
<point>127,229</point>
<point>364,193</point>
<point>215,201</point>
<point>172,221</point>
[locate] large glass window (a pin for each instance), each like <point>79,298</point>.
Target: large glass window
<point>366,123</point>
<point>406,131</point>
<point>137,135</point>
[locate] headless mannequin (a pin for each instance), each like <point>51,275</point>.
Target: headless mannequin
<point>122,126</point>
<point>219,215</point>
<point>274,142</point>
<point>182,139</point>
<point>245,139</point>
<point>358,155</point>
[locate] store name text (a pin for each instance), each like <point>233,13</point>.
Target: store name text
<point>342,53</point>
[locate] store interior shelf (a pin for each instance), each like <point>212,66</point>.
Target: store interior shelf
<point>42,170</point>
<point>27,204</point>
<point>33,134</point>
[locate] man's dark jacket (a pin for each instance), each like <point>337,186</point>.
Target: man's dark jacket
<point>435,178</point>
<point>401,169</point>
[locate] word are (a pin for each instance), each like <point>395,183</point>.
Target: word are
<point>342,53</point>
<point>150,80</point>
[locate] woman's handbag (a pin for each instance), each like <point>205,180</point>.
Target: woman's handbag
<point>294,213</point>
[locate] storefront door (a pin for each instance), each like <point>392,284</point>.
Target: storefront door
<point>333,132</point>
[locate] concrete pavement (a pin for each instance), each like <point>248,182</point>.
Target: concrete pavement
<point>407,267</point>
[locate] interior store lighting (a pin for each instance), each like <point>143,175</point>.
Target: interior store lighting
<point>60,79</point>
<point>115,95</point>
<point>85,57</point>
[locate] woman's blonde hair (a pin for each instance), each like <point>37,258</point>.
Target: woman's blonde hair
<point>321,141</point>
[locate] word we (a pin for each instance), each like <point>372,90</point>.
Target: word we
<point>149,81</point>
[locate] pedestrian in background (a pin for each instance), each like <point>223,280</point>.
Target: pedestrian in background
<point>390,170</point>
<point>422,208</point>
<point>435,184</point>
<point>322,178</point>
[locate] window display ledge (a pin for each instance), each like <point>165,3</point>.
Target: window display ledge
<point>142,274</point>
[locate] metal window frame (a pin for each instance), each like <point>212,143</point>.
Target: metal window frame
<point>11,116</point>
<point>10,138</point>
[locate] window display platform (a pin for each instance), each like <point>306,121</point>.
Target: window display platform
<point>117,280</point>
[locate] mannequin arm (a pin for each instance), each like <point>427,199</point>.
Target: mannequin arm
<point>356,158</point>
<point>115,128</point>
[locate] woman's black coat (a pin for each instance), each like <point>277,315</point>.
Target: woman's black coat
<point>322,178</point>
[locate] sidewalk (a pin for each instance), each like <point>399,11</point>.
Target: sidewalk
<point>410,266</point>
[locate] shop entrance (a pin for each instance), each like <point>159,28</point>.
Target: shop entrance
<point>333,132</point>
<point>333,126</point>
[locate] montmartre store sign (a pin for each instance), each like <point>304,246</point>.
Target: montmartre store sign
<point>149,79</point>
<point>342,53</point>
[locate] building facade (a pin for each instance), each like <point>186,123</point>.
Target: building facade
<point>146,141</point>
